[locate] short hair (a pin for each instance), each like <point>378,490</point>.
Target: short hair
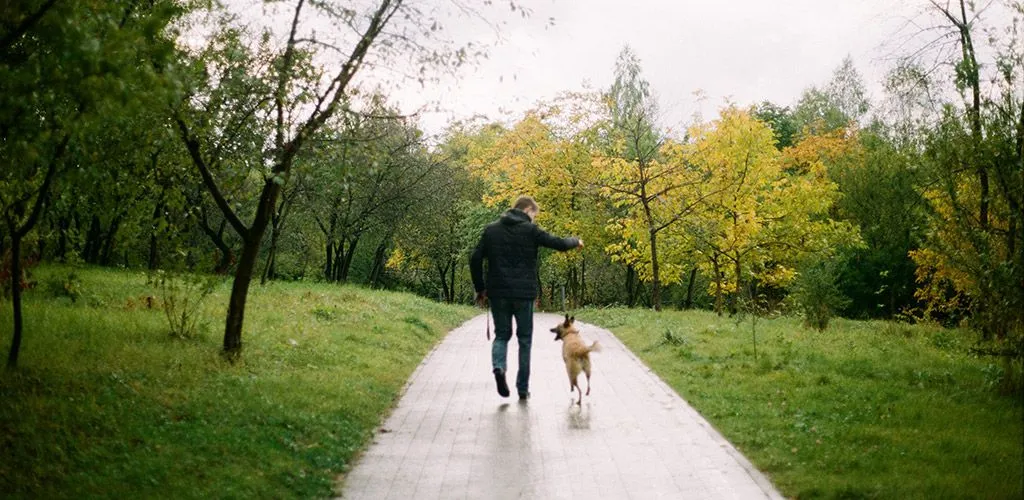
<point>525,202</point>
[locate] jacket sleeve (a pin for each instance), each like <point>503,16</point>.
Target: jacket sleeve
<point>546,239</point>
<point>476,264</point>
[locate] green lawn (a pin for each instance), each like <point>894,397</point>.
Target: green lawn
<point>862,410</point>
<point>105,404</point>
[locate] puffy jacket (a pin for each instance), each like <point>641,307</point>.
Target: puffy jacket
<point>510,245</point>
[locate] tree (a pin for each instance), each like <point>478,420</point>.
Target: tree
<point>63,67</point>
<point>548,155</point>
<point>633,177</point>
<point>283,88</point>
<point>878,183</point>
<point>367,178</point>
<point>841,103</point>
<point>969,263</point>
<point>737,155</point>
<point>766,212</point>
<point>781,120</point>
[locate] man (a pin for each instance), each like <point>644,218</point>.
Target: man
<point>510,247</point>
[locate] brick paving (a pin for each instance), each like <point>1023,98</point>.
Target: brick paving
<point>452,436</point>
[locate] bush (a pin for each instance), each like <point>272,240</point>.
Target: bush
<point>182,296</point>
<point>67,286</point>
<point>816,294</point>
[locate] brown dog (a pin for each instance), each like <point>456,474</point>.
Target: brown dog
<point>575,353</point>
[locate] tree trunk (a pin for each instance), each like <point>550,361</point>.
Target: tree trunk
<point>630,286</point>
<point>452,264</point>
<point>17,233</point>
<point>41,249</point>
<point>91,252</point>
<point>736,298</point>
<point>339,261</point>
<point>12,356</point>
<point>270,271</point>
<point>655,279</point>
<point>689,289</point>
<point>573,286</point>
<point>973,76</point>
<point>62,240</point>
<point>718,286</point>
<point>583,280</point>
<point>106,253</point>
<point>243,274</point>
<point>442,271</point>
<point>239,294</point>
<point>329,265</point>
<point>377,269</point>
<point>347,263</point>
<point>154,256</point>
<point>226,255</point>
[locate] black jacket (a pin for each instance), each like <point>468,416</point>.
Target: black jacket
<point>510,246</point>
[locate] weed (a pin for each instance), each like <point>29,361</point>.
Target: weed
<point>322,313</point>
<point>182,297</point>
<point>66,286</point>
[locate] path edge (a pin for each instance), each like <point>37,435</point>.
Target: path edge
<point>755,474</point>
<point>339,480</point>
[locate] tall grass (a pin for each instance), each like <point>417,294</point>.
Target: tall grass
<point>107,404</point>
<point>861,410</point>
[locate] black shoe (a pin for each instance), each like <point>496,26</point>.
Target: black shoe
<point>523,396</point>
<point>499,377</point>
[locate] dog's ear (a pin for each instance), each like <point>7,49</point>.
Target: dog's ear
<point>572,319</point>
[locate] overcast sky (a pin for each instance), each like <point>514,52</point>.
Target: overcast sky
<point>745,51</point>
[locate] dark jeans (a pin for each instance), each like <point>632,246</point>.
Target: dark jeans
<point>503,311</point>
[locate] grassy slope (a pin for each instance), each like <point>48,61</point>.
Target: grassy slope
<point>106,404</point>
<point>863,410</point>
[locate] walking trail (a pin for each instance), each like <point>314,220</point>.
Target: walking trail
<point>452,436</point>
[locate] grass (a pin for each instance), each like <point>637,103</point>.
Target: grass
<point>862,410</point>
<point>106,404</point>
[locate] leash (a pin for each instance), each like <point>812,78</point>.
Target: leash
<point>487,319</point>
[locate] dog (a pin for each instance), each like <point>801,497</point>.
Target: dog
<point>575,353</point>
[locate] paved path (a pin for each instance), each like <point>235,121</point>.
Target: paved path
<point>452,436</point>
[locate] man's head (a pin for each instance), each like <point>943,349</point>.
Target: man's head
<point>528,205</point>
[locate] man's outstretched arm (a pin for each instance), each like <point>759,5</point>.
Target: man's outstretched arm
<point>546,239</point>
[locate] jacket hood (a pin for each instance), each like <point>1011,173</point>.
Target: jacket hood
<point>514,216</point>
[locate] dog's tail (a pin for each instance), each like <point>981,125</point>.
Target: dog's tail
<point>595,347</point>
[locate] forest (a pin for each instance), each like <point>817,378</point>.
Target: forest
<point>178,135</point>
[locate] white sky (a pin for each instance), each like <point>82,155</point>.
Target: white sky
<point>744,51</point>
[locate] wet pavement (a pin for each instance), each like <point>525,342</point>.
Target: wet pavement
<point>452,436</point>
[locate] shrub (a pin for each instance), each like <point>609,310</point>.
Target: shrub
<point>182,296</point>
<point>816,294</point>
<point>64,286</point>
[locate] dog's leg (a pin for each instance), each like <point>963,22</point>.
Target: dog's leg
<point>572,377</point>
<point>574,382</point>
<point>586,370</point>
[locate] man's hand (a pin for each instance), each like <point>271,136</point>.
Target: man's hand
<point>580,246</point>
<point>481,299</point>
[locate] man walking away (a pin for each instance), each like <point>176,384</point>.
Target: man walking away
<point>510,245</point>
